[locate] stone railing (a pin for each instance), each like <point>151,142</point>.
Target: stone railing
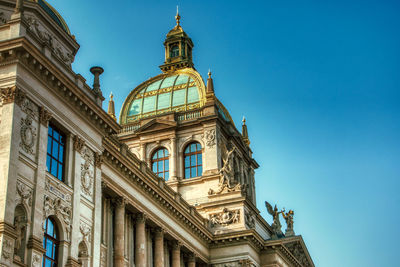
<point>189,115</point>
<point>129,128</point>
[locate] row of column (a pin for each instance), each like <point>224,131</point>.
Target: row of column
<point>140,242</point>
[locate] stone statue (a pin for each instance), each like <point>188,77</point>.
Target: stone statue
<point>276,225</point>
<point>227,171</point>
<point>288,216</point>
<point>20,228</point>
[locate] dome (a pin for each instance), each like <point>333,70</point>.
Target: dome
<point>178,91</point>
<point>53,14</point>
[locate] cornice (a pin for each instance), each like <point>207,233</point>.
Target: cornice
<point>23,52</point>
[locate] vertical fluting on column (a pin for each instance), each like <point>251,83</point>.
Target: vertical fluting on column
<point>159,248</point>
<point>192,260</point>
<point>176,254</point>
<point>140,248</point>
<point>119,235</point>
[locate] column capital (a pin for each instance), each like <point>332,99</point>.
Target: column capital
<point>120,201</point>
<point>44,116</point>
<point>141,218</point>
<point>176,244</point>
<point>192,257</point>
<point>79,143</point>
<point>98,159</point>
<point>12,94</point>
<point>159,231</point>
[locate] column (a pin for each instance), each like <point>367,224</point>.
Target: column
<point>174,157</point>
<point>192,260</point>
<point>119,235</point>
<point>159,248</point>
<point>140,248</point>
<point>143,151</point>
<point>176,254</point>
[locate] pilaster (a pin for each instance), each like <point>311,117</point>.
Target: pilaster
<point>140,248</point>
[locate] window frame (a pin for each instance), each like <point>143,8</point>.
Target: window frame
<point>55,243</point>
<point>196,166</point>
<point>49,165</point>
<point>162,159</point>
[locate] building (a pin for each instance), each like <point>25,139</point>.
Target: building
<point>171,184</point>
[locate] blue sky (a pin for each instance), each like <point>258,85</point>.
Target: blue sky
<point>318,82</point>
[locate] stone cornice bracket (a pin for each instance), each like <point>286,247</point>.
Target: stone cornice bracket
<point>44,116</point>
<point>79,143</point>
<point>12,94</point>
<point>98,159</point>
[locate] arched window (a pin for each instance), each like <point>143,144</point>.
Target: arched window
<point>160,163</point>
<point>50,244</point>
<point>193,160</point>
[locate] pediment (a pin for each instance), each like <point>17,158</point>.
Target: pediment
<point>299,250</point>
<point>156,125</point>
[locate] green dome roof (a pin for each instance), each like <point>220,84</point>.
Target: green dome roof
<point>53,14</point>
<point>178,91</point>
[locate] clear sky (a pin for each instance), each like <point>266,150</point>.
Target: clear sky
<point>318,82</point>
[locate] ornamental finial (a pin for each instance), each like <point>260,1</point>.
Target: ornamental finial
<point>177,17</point>
<point>209,73</point>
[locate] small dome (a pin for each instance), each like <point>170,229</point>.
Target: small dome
<point>53,14</point>
<point>178,91</point>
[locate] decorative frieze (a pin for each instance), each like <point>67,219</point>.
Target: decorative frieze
<point>225,217</point>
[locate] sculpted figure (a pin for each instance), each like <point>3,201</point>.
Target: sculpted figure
<point>227,171</point>
<point>288,216</point>
<point>276,225</point>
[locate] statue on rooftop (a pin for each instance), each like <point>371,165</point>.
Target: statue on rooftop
<point>288,216</point>
<point>276,225</point>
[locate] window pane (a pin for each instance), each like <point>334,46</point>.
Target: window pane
<point>187,173</point>
<point>56,135</point>
<point>47,263</point>
<point>199,159</point>
<point>49,140</point>
<point>193,147</point>
<point>60,171</point>
<point>199,170</point>
<point>166,164</point>
<point>198,147</point>
<point>49,247</point>
<point>154,167</point>
<point>53,170</point>
<point>48,162</point>
<point>160,153</point>
<point>55,150</point>
<point>193,172</point>
<point>160,166</point>
<point>166,176</point>
<point>62,139</point>
<point>50,228</point>
<point>193,160</point>
<point>187,149</point>
<point>187,161</point>
<point>54,251</point>
<point>155,156</point>
<point>166,153</point>
<point>61,155</point>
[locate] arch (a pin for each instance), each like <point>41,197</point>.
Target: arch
<point>20,225</point>
<point>193,160</point>
<point>83,254</point>
<point>51,241</point>
<point>160,162</point>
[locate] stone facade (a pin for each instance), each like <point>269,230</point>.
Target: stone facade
<point>108,207</point>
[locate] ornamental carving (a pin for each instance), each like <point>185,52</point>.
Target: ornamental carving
<point>50,41</point>
<point>12,94</point>
<point>249,219</point>
<point>98,159</point>
<point>210,138</point>
<point>58,208</point>
<point>85,231</point>
<point>28,134</point>
<point>44,116</point>
<point>36,260</point>
<point>25,193</point>
<point>79,143</point>
<point>86,178</point>
<point>7,249</point>
<point>225,217</point>
<point>297,251</point>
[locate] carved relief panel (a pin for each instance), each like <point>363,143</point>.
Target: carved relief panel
<point>29,128</point>
<point>87,172</point>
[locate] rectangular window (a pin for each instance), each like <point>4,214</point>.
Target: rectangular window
<point>55,152</point>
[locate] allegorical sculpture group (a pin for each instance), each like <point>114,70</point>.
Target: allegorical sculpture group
<point>276,225</point>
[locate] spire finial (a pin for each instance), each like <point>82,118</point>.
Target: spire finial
<point>245,133</point>
<point>244,120</point>
<point>111,107</point>
<point>209,73</point>
<point>111,96</point>
<point>177,17</point>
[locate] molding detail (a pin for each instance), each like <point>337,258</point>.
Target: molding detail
<point>86,178</point>
<point>79,143</point>
<point>98,159</point>
<point>85,231</point>
<point>59,209</point>
<point>28,134</point>
<point>225,217</point>
<point>210,138</point>
<point>44,116</point>
<point>12,94</point>
<point>25,193</point>
<point>249,219</point>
